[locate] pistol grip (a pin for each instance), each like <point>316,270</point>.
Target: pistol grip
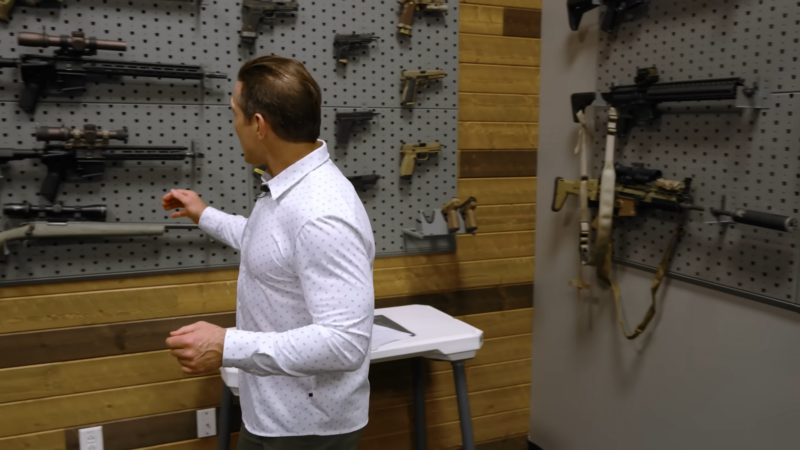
<point>250,21</point>
<point>406,22</point>
<point>453,224</point>
<point>49,189</point>
<point>470,220</point>
<point>559,195</point>
<point>343,130</point>
<point>407,166</point>
<point>610,19</point>
<point>30,97</point>
<point>343,53</point>
<point>410,92</point>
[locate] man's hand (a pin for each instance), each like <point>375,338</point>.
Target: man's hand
<point>198,347</point>
<point>192,206</point>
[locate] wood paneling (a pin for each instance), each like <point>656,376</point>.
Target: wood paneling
<point>498,191</point>
<point>510,51</point>
<point>471,248</point>
<point>89,308</point>
<point>498,135</point>
<point>498,108</point>
<point>444,410</point>
<point>142,431</point>
<point>195,444</point>
<point>519,442</point>
<point>451,277</point>
<point>522,23</point>
<point>449,435</point>
<point>72,410</point>
<point>119,283</point>
<point>480,20</point>
<point>38,347</point>
<point>497,350</point>
<point>530,4</point>
<point>468,302</point>
<point>497,163</point>
<point>498,79</point>
<point>503,323</point>
<point>506,217</point>
<point>49,440</point>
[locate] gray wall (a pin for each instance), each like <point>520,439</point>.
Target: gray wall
<point>713,372</point>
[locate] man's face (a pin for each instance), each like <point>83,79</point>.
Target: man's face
<point>248,133</point>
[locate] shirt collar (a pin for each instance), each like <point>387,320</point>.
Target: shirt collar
<point>294,173</point>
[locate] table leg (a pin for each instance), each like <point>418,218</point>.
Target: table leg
<point>224,426</point>
<point>463,405</point>
<point>420,439</point>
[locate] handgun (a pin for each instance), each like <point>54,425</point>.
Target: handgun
<point>412,80</point>
<point>345,122</point>
<point>255,12</point>
<point>364,182</point>
<point>406,22</point>
<point>345,43</point>
<point>416,152</point>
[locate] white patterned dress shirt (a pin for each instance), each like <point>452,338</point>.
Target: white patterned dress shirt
<point>305,302</point>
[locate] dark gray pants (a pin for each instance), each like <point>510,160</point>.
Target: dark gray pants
<point>349,441</point>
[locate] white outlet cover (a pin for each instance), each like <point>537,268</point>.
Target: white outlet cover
<point>206,422</point>
<point>91,438</point>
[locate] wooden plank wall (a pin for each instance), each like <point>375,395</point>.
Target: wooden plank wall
<point>84,353</point>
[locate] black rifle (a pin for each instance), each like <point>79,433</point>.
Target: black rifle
<point>66,72</point>
<point>345,122</point>
<point>637,104</point>
<point>255,12</point>
<point>364,182</point>
<point>85,155</point>
<point>576,9</point>
<point>56,212</point>
<point>345,43</point>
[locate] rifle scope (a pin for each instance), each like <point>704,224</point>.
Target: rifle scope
<point>28,211</point>
<point>77,42</point>
<point>89,133</point>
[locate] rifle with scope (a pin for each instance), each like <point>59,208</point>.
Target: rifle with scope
<point>66,72</point>
<point>83,154</point>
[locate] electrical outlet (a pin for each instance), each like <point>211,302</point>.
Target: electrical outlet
<point>206,423</point>
<point>91,438</point>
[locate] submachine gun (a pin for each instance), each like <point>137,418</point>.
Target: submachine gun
<point>67,72</point>
<point>83,153</point>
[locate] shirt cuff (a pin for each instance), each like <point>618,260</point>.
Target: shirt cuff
<point>241,349</point>
<point>211,219</point>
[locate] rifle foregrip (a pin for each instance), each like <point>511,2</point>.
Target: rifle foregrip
<point>410,92</point>
<point>407,166</point>
<point>406,22</point>
<point>765,220</point>
<point>50,186</point>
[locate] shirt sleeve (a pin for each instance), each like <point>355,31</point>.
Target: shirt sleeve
<point>334,265</point>
<point>228,228</point>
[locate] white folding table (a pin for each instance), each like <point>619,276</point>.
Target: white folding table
<point>436,336</point>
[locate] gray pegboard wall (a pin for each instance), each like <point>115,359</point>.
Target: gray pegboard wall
<point>190,113</point>
<point>748,156</point>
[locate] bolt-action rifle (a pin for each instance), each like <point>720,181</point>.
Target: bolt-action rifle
<point>66,72</point>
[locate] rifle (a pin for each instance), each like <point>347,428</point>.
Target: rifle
<point>345,122</point>
<point>577,8</point>
<point>345,43</point>
<point>637,104</point>
<point>255,12</point>
<point>52,230</point>
<point>406,22</point>
<point>66,72</point>
<point>85,153</point>
<point>57,212</point>
<point>414,79</point>
<point>364,182</point>
<point>416,152</point>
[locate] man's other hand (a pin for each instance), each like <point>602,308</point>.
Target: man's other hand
<point>198,347</point>
<point>192,206</point>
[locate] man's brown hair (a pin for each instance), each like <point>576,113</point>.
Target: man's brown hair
<point>281,90</point>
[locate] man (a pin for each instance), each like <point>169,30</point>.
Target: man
<point>305,297</point>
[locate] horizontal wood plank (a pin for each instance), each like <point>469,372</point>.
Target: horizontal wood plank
<point>448,436</point>
<point>498,135</point>
<point>529,4</point>
<point>142,431</point>
<point>523,23</point>
<point>482,246</point>
<point>48,440</point>
<point>474,107</point>
<point>495,79</point>
<point>450,277</point>
<point>68,344</point>
<point>444,410</point>
<point>502,323</point>
<point>509,51</point>
<point>497,164</point>
<point>31,416</point>
<point>481,20</point>
<point>498,191</point>
<point>518,442</point>
<point>497,350</point>
<point>209,443</point>
<point>506,217</point>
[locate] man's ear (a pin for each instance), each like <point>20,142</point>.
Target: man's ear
<point>262,126</point>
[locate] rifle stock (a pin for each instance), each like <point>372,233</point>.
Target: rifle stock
<point>47,230</point>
